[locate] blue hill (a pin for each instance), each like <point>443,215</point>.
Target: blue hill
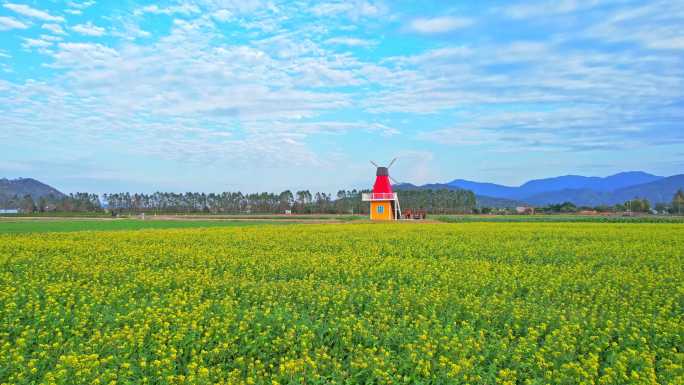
<point>557,184</point>
<point>580,190</point>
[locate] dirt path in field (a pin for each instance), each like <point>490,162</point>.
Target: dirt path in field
<point>28,219</point>
<point>227,218</point>
<point>283,218</point>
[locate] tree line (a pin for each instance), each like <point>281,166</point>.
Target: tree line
<point>636,205</point>
<point>78,202</point>
<point>297,202</point>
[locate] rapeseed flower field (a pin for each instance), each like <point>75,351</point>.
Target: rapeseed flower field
<point>474,303</point>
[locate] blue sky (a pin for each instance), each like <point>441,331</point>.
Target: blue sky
<point>251,95</point>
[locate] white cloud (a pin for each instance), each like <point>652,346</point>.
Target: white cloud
<point>265,89</point>
<point>247,8</point>
<point>76,8</point>
<point>559,99</point>
<point>547,8</point>
<point>183,8</point>
<point>54,28</point>
<point>88,29</point>
<point>81,5</point>
<point>331,127</point>
<point>25,10</point>
<point>35,43</point>
<point>84,55</point>
<point>326,9</point>
<point>354,9</point>
<point>7,23</point>
<point>129,30</point>
<point>439,24</point>
<point>183,57</point>
<point>200,96</point>
<point>351,42</point>
<point>415,166</point>
<point>222,15</point>
<point>446,54</point>
<point>655,26</point>
<point>366,8</point>
<point>566,129</point>
<point>51,37</point>
<point>322,73</point>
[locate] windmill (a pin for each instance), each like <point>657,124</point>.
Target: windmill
<point>384,203</point>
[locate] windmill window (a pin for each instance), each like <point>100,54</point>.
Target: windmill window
<point>381,209</point>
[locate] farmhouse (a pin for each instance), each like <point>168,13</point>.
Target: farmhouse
<point>524,210</point>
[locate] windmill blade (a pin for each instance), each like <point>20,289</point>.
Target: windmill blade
<point>394,180</point>
<point>374,164</point>
<point>392,162</point>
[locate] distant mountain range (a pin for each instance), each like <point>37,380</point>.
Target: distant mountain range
<point>580,190</point>
<point>26,186</point>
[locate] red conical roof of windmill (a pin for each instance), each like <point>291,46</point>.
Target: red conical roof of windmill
<point>382,183</point>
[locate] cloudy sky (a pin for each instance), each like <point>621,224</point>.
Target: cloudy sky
<point>221,95</point>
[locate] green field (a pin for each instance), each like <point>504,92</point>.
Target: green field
<point>560,218</point>
<point>401,303</point>
<point>44,225</point>
<point>180,215</point>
